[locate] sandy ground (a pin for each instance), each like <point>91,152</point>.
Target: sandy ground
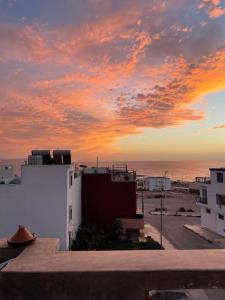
<point>173,201</point>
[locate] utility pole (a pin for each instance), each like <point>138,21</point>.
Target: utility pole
<point>97,161</point>
<point>142,199</point>
<point>161,207</point>
<point>161,220</point>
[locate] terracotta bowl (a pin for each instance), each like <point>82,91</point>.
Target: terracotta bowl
<point>22,243</point>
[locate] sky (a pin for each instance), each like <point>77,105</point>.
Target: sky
<point>122,80</point>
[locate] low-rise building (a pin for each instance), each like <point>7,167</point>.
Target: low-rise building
<point>6,174</point>
<point>47,200</point>
<point>212,200</point>
<point>157,183</point>
<point>109,194</point>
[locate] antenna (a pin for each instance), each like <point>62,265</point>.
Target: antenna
<point>97,161</point>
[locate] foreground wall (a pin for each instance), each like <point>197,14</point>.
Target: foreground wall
<point>40,272</point>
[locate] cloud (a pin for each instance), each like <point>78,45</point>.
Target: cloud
<point>213,8</point>
<point>221,126</point>
<point>85,85</point>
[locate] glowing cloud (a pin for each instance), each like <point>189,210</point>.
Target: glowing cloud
<point>108,71</point>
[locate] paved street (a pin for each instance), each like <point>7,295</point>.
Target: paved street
<point>173,228</point>
<point>176,234</point>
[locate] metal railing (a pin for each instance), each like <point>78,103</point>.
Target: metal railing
<point>201,200</point>
<point>202,179</point>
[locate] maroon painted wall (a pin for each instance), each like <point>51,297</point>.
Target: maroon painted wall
<point>103,201</point>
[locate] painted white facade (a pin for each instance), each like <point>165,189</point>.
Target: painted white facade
<point>6,173</point>
<point>42,202</point>
<point>212,201</point>
<point>157,183</point>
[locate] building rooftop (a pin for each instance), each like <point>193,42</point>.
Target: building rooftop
<point>217,169</point>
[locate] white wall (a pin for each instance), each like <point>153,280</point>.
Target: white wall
<point>6,173</point>
<point>39,202</point>
<point>212,220</point>
<point>74,200</point>
<point>157,183</point>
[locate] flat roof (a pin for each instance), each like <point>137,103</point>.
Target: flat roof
<point>217,169</point>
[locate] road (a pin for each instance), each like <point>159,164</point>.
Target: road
<point>176,234</point>
<point>173,229</point>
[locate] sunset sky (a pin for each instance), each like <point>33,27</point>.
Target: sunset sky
<point>121,79</point>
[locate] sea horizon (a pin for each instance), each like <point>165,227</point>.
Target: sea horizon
<point>184,170</point>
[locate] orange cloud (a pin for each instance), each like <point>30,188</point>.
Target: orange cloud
<point>219,126</point>
<point>213,8</point>
<point>85,86</point>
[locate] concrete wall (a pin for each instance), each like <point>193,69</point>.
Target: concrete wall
<point>40,202</point>
<point>212,220</point>
<point>74,200</point>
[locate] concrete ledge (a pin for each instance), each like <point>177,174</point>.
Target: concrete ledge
<point>41,272</point>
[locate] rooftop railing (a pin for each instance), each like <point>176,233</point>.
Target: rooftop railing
<point>202,180</point>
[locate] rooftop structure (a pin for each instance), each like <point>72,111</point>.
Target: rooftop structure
<point>44,157</point>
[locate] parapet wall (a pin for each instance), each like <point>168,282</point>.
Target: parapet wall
<point>41,272</point>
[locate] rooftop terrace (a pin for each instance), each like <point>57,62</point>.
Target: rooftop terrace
<point>42,272</point>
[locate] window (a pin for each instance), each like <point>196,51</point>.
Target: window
<point>220,199</point>
<point>221,217</point>
<point>70,213</point>
<point>208,211</point>
<point>71,179</point>
<point>204,194</point>
<point>219,177</point>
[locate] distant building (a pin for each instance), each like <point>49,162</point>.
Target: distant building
<point>6,174</point>
<point>109,194</point>
<point>157,183</point>
<point>212,200</point>
<point>47,200</point>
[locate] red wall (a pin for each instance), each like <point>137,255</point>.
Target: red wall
<point>103,201</point>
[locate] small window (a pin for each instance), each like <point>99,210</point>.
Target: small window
<point>70,213</point>
<point>220,199</point>
<point>221,217</point>
<point>71,179</point>
<point>220,177</point>
<point>208,211</point>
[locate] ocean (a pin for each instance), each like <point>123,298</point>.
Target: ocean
<point>176,170</point>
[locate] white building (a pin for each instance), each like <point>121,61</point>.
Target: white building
<point>212,200</point>
<point>157,183</point>
<point>47,201</point>
<point>6,174</point>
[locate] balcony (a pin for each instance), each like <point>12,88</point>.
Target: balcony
<point>42,272</point>
<point>201,200</point>
<point>203,180</point>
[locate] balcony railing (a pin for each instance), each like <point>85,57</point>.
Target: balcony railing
<point>202,180</point>
<point>201,200</point>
